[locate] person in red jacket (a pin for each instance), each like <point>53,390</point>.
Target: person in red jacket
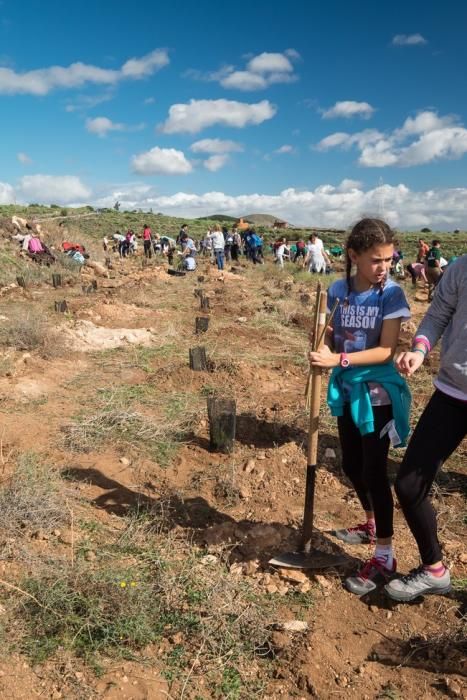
<point>147,241</point>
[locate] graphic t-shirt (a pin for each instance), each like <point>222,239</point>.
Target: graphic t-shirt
<point>432,256</point>
<point>357,325</point>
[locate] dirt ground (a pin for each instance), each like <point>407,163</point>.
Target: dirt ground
<point>136,330</point>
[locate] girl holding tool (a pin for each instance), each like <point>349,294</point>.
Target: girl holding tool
<point>366,393</point>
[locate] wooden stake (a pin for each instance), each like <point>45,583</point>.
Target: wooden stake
<point>201,324</point>
<point>61,307</point>
<point>205,305</point>
<point>198,360</point>
<point>56,280</point>
<point>222,424</point>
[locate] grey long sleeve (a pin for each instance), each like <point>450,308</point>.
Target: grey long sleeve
<point>447,317</point>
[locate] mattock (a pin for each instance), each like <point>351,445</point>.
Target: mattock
<point>308,557</point>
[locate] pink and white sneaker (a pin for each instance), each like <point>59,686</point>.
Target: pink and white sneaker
<point>360,534</point>
<point>372,574</point>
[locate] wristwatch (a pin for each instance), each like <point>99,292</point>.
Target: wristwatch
<point>344,361</point>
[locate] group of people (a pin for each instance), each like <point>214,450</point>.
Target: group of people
<point>369,395</point>
<point>222,245</point>
<point>313,255</point>
<point>429,265</point>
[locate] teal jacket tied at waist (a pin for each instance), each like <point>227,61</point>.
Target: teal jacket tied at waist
<point>356,382</point>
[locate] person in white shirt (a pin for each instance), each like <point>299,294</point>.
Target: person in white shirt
<point>218,244</point>
<point>280,252</point>
<point>316,258</point>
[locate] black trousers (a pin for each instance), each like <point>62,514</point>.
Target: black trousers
<point>364,462</point>
<point>147,249</point>
<point>440,430</point>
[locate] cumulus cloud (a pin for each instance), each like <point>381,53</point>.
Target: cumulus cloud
<point>421,139</point>
<point>216,162</point>
<point>137,68</point>
<point>59,189</point>
<point>327,205</point>
<point>286,148</point>
<point>161,161</point>
<point>85,102</point>
<point>199,114</point>
<point>24,158</point>
<point>41,81</point>
<point>7,193</point>
<point>408,40</point>
<point>348,109</point>
<point>215,146</point>
<point>102,125</point>
<point>260,72</point>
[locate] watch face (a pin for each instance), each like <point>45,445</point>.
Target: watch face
<point>345,362</point>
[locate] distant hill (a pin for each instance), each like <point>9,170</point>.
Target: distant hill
<point>217,217</point>
<point>267,220</point>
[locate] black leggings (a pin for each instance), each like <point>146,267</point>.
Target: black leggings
<point>364,461</point>
<point>441,428</point>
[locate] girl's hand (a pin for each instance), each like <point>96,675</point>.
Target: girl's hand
<point>325,358</point>
<point>408,362</point>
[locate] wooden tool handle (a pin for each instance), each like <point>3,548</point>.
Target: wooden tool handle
<point>316,379</point>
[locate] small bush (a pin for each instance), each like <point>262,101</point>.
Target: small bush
<point>32,333</point>
<point>32,499</point>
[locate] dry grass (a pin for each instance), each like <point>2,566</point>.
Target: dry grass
<point>32,333</point>
<point>116,420</point>
<point>33,498</point>
<point>150,589</point>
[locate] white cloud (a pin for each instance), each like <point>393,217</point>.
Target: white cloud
<point>215,146</point>
<point>24,158</point>
<point>84,102</point>
<point>286,148</point>
<point>145,66</point>
<point>102,125</point>
<point>7,193</point>
<point>47,189</point>
<point>348,109</point>
<point>199,114</point>
<point>421,139</point>
<point>326,205</point>
<point>270,63</point>
<point>149,101</point>
<point>408,40</point>
<point>41,81</point>
<point>260,72</point>
<point>161,161</point>
<point>216,162</point>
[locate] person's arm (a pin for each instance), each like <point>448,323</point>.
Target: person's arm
<point>383,353</point>
<point>434,323</point>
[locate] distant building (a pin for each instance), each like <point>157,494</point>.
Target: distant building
<point>280,224</point>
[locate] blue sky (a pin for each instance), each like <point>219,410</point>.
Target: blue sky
<point>315,112</point>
